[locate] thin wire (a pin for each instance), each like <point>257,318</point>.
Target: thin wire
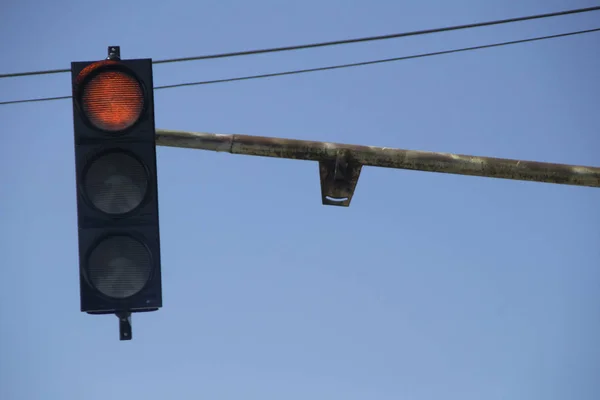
<point>386,60</point>
<point>336,42</point>
<point>3,103</point>
<point>332,67</point>
<point>381,37</point>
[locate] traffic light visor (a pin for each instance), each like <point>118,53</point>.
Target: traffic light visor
<point>112,99</point>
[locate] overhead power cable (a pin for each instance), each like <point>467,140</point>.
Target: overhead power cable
<point>381,37</point>
<point>336,42</point>
<point>333,67</point>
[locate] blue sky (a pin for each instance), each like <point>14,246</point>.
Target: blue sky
<point>429,286</point>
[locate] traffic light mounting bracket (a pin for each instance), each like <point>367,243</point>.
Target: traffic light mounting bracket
<point>114,53</point>
<point>338,179</point>
<point>124,325</point>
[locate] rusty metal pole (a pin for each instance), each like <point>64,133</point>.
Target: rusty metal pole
<point>340,164</point>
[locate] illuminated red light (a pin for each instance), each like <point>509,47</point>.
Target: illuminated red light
<point>112,100</point>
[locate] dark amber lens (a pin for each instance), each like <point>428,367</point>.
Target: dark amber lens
<point>115,183</point>
<point>112,100</point>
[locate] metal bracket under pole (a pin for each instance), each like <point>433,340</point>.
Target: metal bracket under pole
<point>124,325</point>
<point>338,179</point>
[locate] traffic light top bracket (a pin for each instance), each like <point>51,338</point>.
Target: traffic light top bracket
<point>114,53</point>
<point>338,179</point>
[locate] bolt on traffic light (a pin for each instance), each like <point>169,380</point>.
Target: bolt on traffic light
<point>117,196</point>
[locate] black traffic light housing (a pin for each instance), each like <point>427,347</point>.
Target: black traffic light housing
<point>117,193</point>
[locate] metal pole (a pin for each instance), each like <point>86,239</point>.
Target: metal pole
<point>385,157</point>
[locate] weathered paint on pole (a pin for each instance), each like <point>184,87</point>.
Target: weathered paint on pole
<point>384,157</point>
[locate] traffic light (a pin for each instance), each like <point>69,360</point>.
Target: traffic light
<point>117,196</point>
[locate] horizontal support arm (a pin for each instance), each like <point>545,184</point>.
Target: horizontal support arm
<point>384,157</point>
